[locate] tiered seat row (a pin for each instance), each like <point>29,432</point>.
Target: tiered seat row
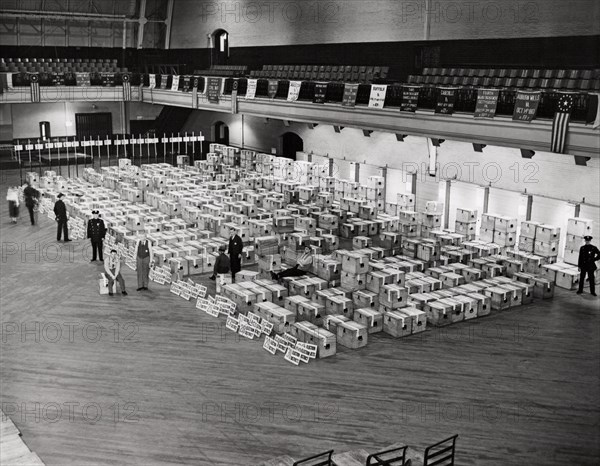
<point>363,74</point>
<point>584,80</point>
<point>59,65</point>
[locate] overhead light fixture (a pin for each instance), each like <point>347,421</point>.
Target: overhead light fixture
<point>400,137</point>
<point>338,129</point>
<point>581,160</point>
<point>527,153</point>
<point>367,133</point>
<point>478,147</point>
<point>437,142</point>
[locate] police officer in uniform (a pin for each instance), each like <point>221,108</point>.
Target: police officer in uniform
<point>60,210</point>
<point>96,231</point>
<point>588,255</point>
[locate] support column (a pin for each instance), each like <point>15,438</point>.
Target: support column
<point>141,23</point>
<point>384,173</point>
<point>577,210</point>
<point>357,172</point>
<point>486,199</point>
<point>125,117</point>
<point>447,204</point>
<point>330,166</point>
<point>529,208</point>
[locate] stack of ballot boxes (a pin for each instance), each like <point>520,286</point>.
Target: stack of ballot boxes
<point>354,271</point>
<point>431,219</point>
<point>547,238</point>
<point>466,223</point>
<point>527,236</point>
<point>325,340</point>
<point>408,223</point>
<point>577,228</point>
<point>505,231</point>
<point>372,319</point>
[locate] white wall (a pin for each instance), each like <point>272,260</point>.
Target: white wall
<point>252,23</point>
<point>61,115</point>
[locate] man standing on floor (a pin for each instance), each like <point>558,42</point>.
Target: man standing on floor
<point>32,196</point>
<point>96,231</point>
<point>144,260</point>
<point>588,255</point>
<point>236,246</point>
<point>60,210</point>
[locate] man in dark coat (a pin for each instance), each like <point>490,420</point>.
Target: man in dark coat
<point>236,246</point>
<point>96,231</point>
<point>588,255</point>
<point>60,210</point>
<point>32,196</point>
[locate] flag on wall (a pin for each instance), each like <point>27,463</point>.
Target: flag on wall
<point>34,84</point>
<point>195,85</point>
<point>251,89</point>
<point>526,105</point>
<point>377,97</point>
<point>349,98</point>
<point>126,88</point>
<point>487,102</point>
<point>445,100</point>
<point>560,124</point>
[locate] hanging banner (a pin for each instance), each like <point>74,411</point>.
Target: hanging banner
<point>82,79</point>
<point>107,79</point>
<point>58,79</point>
<point>320,93</point>
<point>175,83</point>
<point>410,98</point>
<point>213,90</point>
<point>186,83</point>
<point>377,97</point>
<point>152,81</point>
<point>445,100</point>
<point>234,94</point>
<point>195,85</point>
<point>487,101</point>
<point>349,98</point>
<point>34,84</point>
<point>251,89</point>
<point>164,81</point>
<point>126,88</point>
<point>273,87</point>
<point>526,105</point>
<point>294,91</point>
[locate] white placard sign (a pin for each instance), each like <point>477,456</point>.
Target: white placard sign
<point>175,83</point>
<point>377,97</point>
<point>251,89</point>
<point>294,91</point>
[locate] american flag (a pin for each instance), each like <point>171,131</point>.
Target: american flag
<point>126,87</point>
<point>34,82</point>
<point>560,125</point>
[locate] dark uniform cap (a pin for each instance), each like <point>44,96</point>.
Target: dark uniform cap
<point>588,238</point>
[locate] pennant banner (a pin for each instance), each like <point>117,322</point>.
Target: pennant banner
<point>487,101</point>
<point>195,85</point>
<point>320,93</point>
<point>410,98</point>
<point>213,89</point>
<point>152,81</point>
<point>526,104</point>
<point>377,97</point>
<point>34,82</point>
<point>560,124</point>
<point>445,101</point>
<point>175,83</point>
<point>126,88</point>
<point>294,91</point>
<point>234,94</point>
<point>251,89</point>
<point>82,79</point>
<point>164,81</point>
<point>273,88</point>
<point>349,98</point>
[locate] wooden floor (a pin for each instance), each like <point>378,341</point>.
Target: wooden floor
<point>164,384</point>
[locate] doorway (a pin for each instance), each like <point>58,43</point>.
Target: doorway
<point>290,144</point>
<point>220,133</point>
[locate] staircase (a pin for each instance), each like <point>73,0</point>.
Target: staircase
<point>170,120</point>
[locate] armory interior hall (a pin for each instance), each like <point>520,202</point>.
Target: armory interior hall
<point>299,232</point>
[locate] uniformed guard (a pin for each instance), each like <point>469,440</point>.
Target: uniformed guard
<point>588,255</point>
<point>96,231</point>
<point>235,248</point>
